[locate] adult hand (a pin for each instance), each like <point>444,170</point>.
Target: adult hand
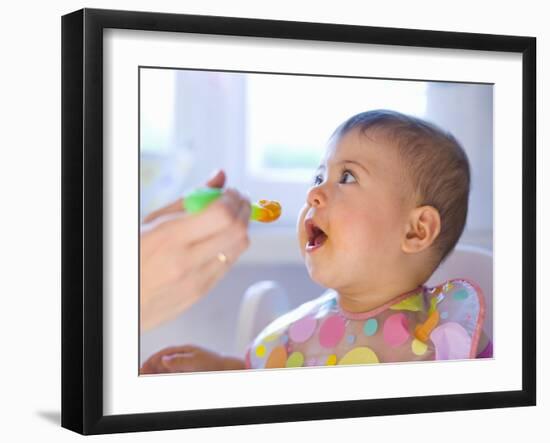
<point>189,358</point>
<point>182,255</point>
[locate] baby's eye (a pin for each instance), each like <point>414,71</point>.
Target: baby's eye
<point>317,180</point>
<point>347,177</point>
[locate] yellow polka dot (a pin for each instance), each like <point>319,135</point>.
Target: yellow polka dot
<point>271,337</point>
<point>260,351</point>
<point>418,347</point>
<point>331,360</point>
<point>359,355</point>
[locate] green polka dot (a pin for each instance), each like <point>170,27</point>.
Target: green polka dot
<point>463,294</point>
<point>295,360</point>
<point>370,327</point>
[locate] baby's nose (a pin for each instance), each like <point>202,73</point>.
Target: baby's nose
<point>316,196</point>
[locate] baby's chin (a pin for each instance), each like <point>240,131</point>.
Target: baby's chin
<point>332,277</point>
<point>317,275</point>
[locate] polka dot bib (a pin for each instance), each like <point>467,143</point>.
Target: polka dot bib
<point>439,323</point>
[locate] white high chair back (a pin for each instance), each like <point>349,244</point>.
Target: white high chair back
<point>264,301</point>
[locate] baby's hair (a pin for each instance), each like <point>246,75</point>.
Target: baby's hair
<point>437,167</point>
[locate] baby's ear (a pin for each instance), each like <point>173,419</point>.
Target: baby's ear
<point>423,227</point>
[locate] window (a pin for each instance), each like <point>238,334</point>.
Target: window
<point>268,131</point>
<point>157,100</point>
<point>289,119</point>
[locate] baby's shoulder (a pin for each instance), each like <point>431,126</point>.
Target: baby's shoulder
<point>298,322</point>
<point>312,308</point>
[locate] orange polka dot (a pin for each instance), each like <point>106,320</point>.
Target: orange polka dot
<point>277,358</point>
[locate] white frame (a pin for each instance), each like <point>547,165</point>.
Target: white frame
<point>126,393</point>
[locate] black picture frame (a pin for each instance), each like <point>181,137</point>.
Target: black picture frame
<point>82,220</point>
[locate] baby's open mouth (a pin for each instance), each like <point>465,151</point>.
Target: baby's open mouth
<point>316,236</point>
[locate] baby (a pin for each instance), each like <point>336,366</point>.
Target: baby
<point>387,205</point>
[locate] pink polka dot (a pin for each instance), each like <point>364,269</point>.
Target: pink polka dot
<point>396,330</point>
<point>302,329</point>
<point>331,331</point>
<point>451,342</point>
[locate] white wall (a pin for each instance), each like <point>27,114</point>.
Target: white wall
<point>30,241</point>
<point>466,111</point>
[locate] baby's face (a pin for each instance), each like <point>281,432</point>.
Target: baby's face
<point>351,227</point>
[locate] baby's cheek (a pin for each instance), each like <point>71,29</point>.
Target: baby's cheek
<point>357,230</point>
<point>376,226</point>
<point>364,247</point>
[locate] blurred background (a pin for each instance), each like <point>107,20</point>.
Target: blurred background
<point>268,132</point>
